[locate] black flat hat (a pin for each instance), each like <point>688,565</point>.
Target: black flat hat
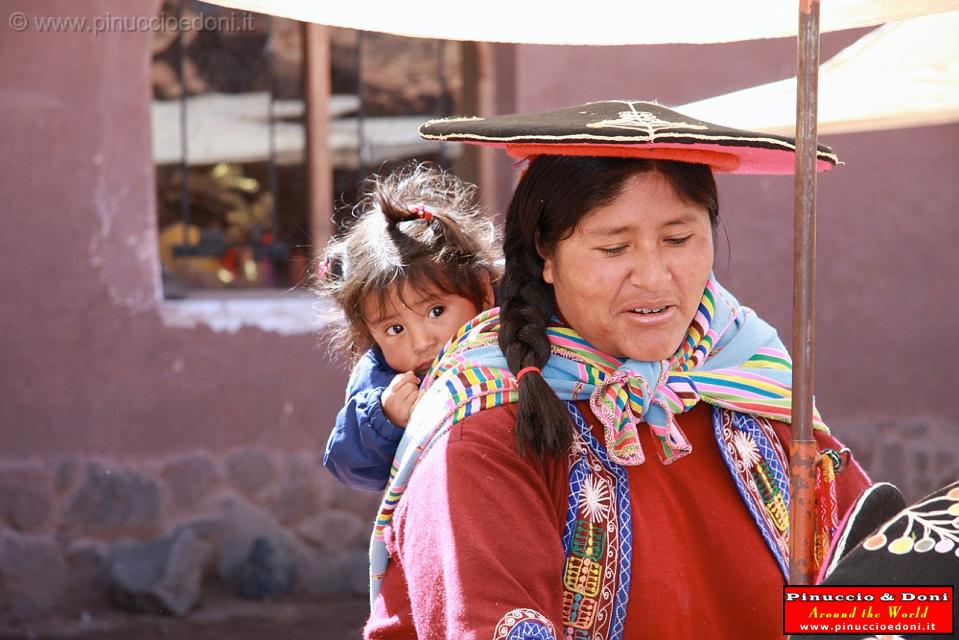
<point>628,128</point>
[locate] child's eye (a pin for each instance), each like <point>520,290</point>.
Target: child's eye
<point>394,330</point>
<point>437,311</point>
<point>613,251</point>
<point>678,241</point>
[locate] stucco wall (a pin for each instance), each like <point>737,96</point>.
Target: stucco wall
<point>115,425</point>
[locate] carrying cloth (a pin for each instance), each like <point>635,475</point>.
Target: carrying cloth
<point>730,358</point>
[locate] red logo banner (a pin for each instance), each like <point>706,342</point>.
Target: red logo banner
<point>868,609</point>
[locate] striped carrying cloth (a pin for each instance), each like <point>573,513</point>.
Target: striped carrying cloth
<point>729,358</point>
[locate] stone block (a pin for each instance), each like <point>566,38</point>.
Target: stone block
<point>291,503</point>
<point>114,501</point>
<point>162,575</point>
<point>336,531</point>
<point>190,480</point>
<point>324,573</point>
<point>268,571</point>
<point>68,470</point>
<point>88,577</point>
<point>251,471</point>
<point>26,497</point>
<point>33,576</point>
<point>232,530</point>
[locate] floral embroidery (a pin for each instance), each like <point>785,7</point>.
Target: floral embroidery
<point>595,502</point>
<point>932,524</point>
<point>597,539</point>
<point>746,447</point>
<point>759,466</point>
<point>524,624</point>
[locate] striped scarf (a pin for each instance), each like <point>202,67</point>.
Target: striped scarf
<point>729,358</point>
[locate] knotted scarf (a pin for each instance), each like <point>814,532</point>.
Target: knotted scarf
<point>729,358</point>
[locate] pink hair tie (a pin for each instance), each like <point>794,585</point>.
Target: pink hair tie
<point>323,269</point>
<point>522,372</point>
<point>423,213</point>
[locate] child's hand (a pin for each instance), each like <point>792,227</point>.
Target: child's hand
<point>400,397</point>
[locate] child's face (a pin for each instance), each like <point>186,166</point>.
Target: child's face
<point>412,334</point>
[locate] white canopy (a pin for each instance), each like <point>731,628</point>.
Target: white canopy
<point>612,23</point>
<point>903,74</point>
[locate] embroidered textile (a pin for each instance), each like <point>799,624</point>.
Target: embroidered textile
<point>524,624</point>
<point>597,539</point>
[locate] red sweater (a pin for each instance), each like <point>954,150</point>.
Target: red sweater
<point>479,533</point>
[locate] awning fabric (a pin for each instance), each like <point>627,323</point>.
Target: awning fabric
<point>903,74</point>
<point>612,23</point>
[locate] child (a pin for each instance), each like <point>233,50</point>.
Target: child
<point>416,266</point>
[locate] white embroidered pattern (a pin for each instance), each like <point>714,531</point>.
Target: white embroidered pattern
<point>747,448</point>
<point>595,499</point>
<point>643,121</point>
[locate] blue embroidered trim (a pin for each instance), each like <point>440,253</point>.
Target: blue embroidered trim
<point>577,475</point>
<point>747,423</point>
<point>623,510</point>
<point>530,630</point>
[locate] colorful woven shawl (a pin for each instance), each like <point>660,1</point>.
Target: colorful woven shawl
<point>729,358</point>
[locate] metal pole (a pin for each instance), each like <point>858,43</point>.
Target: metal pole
<point>802,463</point>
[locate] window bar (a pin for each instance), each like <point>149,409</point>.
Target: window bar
<point>444,97</point>
<point>361,154</point>
<point>184,164</point>
<point>273,250</point>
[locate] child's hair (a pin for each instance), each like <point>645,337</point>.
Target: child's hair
<point>418,226</point>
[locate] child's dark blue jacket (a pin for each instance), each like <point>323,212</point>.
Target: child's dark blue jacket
<point>362,445</point>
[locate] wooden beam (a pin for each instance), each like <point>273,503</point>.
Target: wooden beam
<point>319,166</point>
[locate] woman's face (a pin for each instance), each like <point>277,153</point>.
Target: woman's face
<point>630,277</point>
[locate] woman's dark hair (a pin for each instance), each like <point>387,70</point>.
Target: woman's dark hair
<point>554,194</point>
<point>416,227</point>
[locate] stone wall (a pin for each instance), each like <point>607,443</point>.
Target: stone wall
<point>76,533</point>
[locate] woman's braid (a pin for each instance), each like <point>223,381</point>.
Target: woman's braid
<point>542,420</point>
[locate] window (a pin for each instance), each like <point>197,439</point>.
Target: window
<point>248,176</point>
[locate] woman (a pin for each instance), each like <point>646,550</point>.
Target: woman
<point>533,511</point>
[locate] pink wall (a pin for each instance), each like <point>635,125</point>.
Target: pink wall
<point>114,427</point>
<point>88,365</point>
